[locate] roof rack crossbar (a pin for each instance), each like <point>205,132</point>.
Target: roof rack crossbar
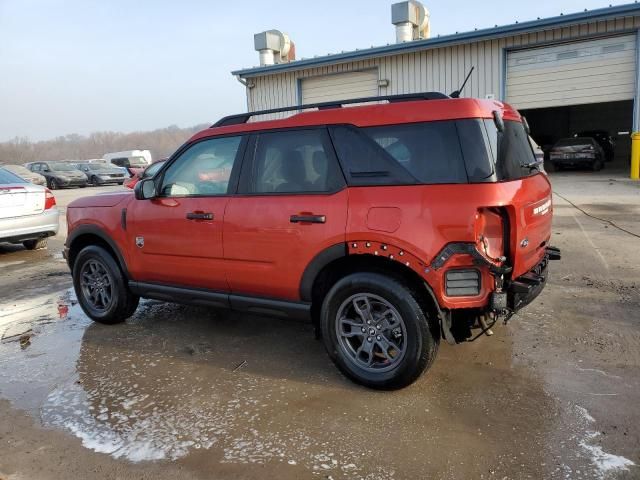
<point>244,117</point>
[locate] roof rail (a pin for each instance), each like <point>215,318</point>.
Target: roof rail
<point>244,117</point>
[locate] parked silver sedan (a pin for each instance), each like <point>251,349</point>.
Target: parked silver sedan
<point>28,212</point>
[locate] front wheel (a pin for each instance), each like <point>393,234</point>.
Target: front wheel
<point>52,184</point>
<point>101,287</point>
<point>375,331</point>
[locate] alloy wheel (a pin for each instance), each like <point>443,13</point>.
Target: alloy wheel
<point>371,332</point>
<point>97,285</point>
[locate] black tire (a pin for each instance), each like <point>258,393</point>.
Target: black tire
<point>52,184</point>
<point>597,165</point>
<point>122,303</point>
<point>419,343</point>
<point>36,244</point>
<point>94,181</point>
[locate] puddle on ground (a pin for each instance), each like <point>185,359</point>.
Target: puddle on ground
<point>175,381</point>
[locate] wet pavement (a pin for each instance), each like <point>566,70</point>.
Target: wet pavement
<point>190,392</point>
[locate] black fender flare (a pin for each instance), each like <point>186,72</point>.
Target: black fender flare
<point>321,260</point>
<point>100,233</point>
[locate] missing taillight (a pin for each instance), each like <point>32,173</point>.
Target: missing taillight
<point>489,234</point>
<point>49,199</point>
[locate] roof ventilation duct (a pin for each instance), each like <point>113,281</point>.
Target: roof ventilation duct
<point>274,47</point>
<point>411,20</point>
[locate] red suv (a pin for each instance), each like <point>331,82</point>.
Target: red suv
<point>389,225</point>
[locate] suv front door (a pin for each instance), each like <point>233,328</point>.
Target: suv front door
<point>176,237</point>
<point>291,205</point>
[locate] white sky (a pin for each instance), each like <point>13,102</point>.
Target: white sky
<point>77,66</point>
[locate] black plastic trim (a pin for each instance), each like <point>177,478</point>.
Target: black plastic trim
<point>321,260</point>
<point>98,232</point>
<point>211,298</point>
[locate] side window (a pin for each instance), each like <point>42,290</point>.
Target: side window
<point>368,163</point>
<point>34,167</point>
<point>297,161</point>
<point>203,169</point>
<point>430,151</point>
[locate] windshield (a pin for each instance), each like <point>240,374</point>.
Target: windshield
<point>570,142</point>
<point>61,167</point>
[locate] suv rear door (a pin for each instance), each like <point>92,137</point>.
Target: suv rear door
<point>176,237</point>
<point>291,205</point>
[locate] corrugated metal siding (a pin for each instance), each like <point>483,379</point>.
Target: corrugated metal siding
<point>339,86</point>
<point>574,73</point>
<point>439,69</point>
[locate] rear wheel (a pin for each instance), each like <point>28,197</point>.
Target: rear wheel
<point>597,165</point>
<point>101,287</point>
<point>94,181</point>
<point>36,244</point>
<point>375,331</point>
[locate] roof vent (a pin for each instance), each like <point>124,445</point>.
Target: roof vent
<point>411,20</point>
<point>274,47</point>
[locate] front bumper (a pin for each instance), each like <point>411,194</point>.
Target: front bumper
<point>29,227</point>
<point>524,289</point>
<point>71,182</point>
<point>109,180</point>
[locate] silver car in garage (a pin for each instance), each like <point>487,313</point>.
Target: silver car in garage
<point>28,212</point>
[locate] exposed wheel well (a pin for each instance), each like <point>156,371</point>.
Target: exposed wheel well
<point>87,239</point>
<point>349,264</point>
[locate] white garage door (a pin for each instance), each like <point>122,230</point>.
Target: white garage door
<point>339,86</point>
<point>593,71</point>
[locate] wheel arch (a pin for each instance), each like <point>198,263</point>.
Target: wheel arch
<point>341,266</point>
<point>86,235</point>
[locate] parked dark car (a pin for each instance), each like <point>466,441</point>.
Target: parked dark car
<point>101,173</point>
<point>59,174</point>
<point>577,152</point>
<point>604,140</point>
<point>25,173</point>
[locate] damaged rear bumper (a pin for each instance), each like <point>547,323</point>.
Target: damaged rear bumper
<point>523,290</point>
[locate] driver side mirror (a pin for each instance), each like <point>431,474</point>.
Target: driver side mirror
<point>145,189</point>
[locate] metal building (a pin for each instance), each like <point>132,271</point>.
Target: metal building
<point>567,74</point>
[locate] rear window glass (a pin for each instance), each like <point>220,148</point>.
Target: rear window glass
<point>7,177</point>
<point>453,151</point>
<point>512,152</point>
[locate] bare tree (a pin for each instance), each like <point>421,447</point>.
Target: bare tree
<point>162,143</point>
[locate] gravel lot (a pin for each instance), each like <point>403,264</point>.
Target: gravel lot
<point>187,392</point>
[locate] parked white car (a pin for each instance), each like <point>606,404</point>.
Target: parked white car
<point>28,212</point>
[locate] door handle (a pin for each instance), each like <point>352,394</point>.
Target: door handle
<point>199,216</point>
<point>308,219</point>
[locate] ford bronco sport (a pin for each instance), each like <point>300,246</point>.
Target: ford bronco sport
<point>389,225</point>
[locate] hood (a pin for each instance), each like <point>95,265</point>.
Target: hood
<point>104,200</point>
